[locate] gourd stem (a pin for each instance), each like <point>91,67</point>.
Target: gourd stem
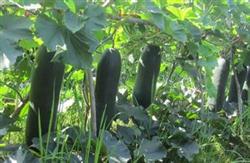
<point>92,100</point>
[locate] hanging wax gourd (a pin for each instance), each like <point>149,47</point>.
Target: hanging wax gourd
<point>45,88</point>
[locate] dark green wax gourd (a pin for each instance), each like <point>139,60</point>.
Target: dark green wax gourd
<point>148,70</point>
<point>241,75</point>
<point>220,77</point>
<point>45,88</point>
<point>107,80</point>
<point>246,86</point>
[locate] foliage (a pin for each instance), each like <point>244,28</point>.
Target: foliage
<point>178,127</point>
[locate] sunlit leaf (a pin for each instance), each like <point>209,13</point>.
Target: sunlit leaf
<point>12,29</point>
<point>96,18</point>
<point>28,44</point>
<point>74,22</point>
<point>176,30</point>
<point>51,33</point>
<point>176,11</point>
<point>71,5</point>
<point>176,1</point>
<point>180,13</point>
<point>76,45</point>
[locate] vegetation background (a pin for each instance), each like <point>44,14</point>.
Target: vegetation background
<point>195,116</point>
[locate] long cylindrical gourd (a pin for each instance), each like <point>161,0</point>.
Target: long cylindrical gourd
<point>147,74</point>
<point>107,80</point>
<point>220,77</point>
<point>241,75</point>
<point>45,88</point>
<point>246,86</point>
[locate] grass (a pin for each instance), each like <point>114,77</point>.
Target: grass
<point>213,147</point>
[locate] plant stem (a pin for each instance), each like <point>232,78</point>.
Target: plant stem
<point>92,100</point>
<point>14,89</point>
<point>85,91</point>
<point>19,108</point>
<point>240,103</point>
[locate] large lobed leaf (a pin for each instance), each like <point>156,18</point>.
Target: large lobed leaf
<point>12,29</point>
<point>7,125</point>
<point>74,39</point>
<point>51,33</point>
<point>117,150</point>
<point>188,150</point>
<point>152,150</point>
<point>74,22</point>
<point>56,36</point>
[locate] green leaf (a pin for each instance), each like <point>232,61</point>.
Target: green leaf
<point>176,11</point>
<point>176,1</point>
<point>6,61</point>
<point>73,132</point>
<point>169,26</point>
<point>193,31</point>
<point>28,2</point>
<point>176,30</point>
<point>49,3</point>
<point>151,7</point>
<point>96,18</point>
<point>80,4</point>
<point>77,52</point>
<point>22,155</point>
<point>191,70</point>
<point>128,134</point>
<point>71,5</point>
<point>188,150</point>
<point>130,111</point>
<point>207,53</point>
<point>245,56</point>
<point>205,50</point>
<point>244,33</point>
<point>5,120</point>
<point>211,90</point>
<point>23,67</point>
<point>181,14</point>
<point>60,5</point>
<point>74,46</point>
<point>3,131</point>
<point>12,29</point>
<point>117,151</point>
<point>159,20</point>
<point>152,150</point>
<point>192,115</point>
<point>90,40</point>
<point>19,156</point>
<point>51,33</point>
<point>28,44</point>
<point>74,22</point>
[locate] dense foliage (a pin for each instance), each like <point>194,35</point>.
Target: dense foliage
<point>196,106</point>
